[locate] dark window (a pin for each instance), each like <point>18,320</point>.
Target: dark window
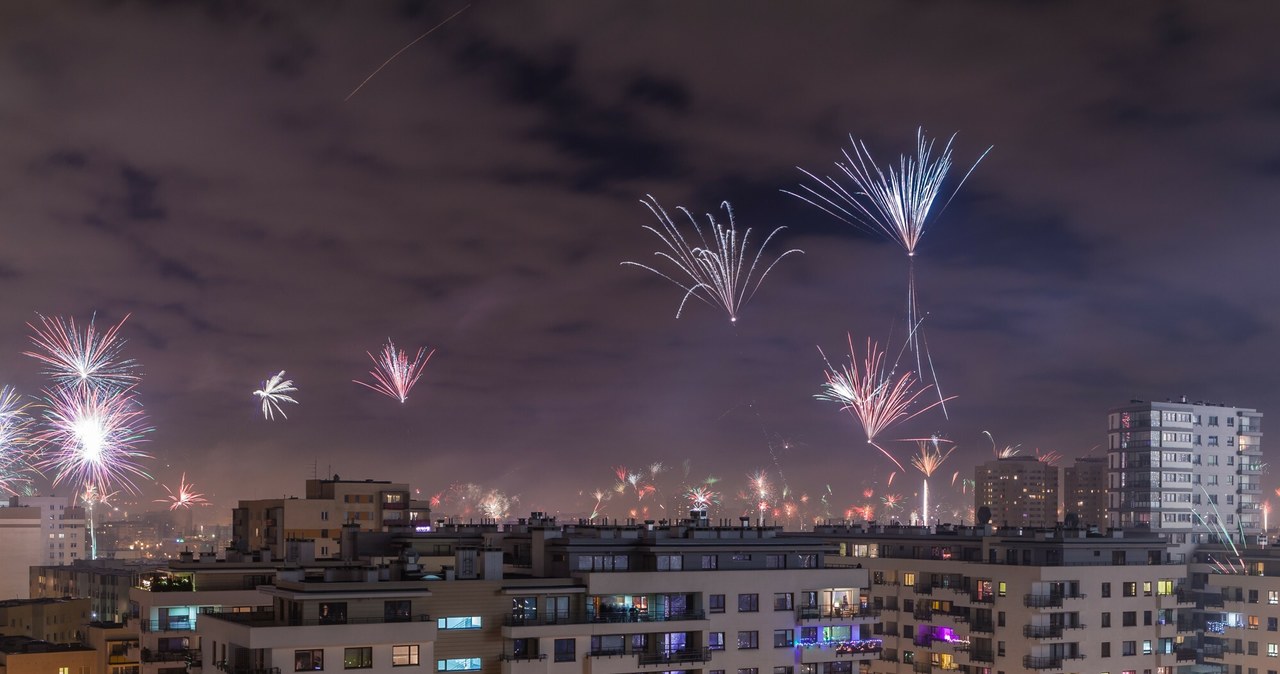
<point>1106,649</point>
<point>1106,589</point>
<point>1130,618</point>
<point>748,603</point>
<point>784,638</point>
<point>333,613</point>
<point>748,639</point>
<point>1106,619</point>
<point>715,603</point>
<point>566,650</point>
<point>397,611</point>
<point>782,601</point>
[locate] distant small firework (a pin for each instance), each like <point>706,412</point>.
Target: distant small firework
<point>891,501</point>
<point>871,394</point>
<point>928,461</point>
<point>712,268</point>
<point>702,496</point>
<point>394,372</point>
<point>274,391</point>
<point>91,437</point>
<point>87,359</point>
<point>184,496</point>
<point>17,451</point>
<point>91,496</point>
<point>1050,457</point>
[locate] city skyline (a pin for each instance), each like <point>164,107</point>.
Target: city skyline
<point>198,169</point>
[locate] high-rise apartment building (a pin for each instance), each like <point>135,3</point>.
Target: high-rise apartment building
<point>1020,491</point>
<point>20,547</point>
<point>1188,469</point>
<point>1084,492</point>
<point>62,527</point>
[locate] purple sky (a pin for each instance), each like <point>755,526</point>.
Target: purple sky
<point>195,165</point>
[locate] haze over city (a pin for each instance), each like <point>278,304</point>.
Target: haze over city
<point>204,170</point>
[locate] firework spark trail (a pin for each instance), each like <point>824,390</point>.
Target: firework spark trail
<point>90,436</point>
<point>896,203</point>
<point>17,451</point>
<point>716,266</point>
<point>872,395</point>
<point>87,359</point>
<point>394,372</point>
<point>1050,457</point>
<point>928,461</point>
<point>184,497</point>
<point>402,50</point>
<point>274,391</point>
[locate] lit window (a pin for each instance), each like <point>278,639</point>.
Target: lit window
<point>360,657</point>
<point>458,665</point>
<point>404,656</point>
<point>469,622</point>
<point>311,660</point>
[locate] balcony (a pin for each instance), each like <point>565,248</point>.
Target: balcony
<point>982,655</point>
<point>1042,631</point>
<point>922,613</point>
<point>187,655</point>
<point>171,626</point>
<point>834,612</point>
<point>986,626</point>
<point>231,669</point>
<point>923,589</point>
<point>582,618</point>
<point>674,657</point>
<point>1042,601</point>
<point>1042,662</point>
<point>1185,655</point>
<point>269,619</point>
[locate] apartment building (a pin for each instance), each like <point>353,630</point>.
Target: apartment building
<point>105,582</point>
<point>373,505</point>
<point>1019,491</point>
<point>23,547</point>
<point>1239,596</point>
<point>58,621</point>
<point>1187,469</point>
<point>540,596</point>
<point>1084,492</point>
<point>116,647</point>
<point>166,606</point>
<point>63,533</point>
<point>24,655</point>
<point>982,600</point>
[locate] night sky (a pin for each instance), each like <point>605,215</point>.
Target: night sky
<point>195,165</point>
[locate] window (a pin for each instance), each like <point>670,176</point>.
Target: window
<point>360,657</point>
<point>1106,619</point>
<point>1253,596</point>
<point>308,660</point>
<point>397,611</point>
<point>1128,648</point>
<point>458,665</point>
<point>1002,588</point>
<point>1273,650</point>
<point>1146,618</point>
<point>784,638</point>
<point>775,561</point>
<point>782,601</point>
<point>1131,589</point>
<point>404,656</point>
<point>1130,619</point>
<point>909,578</point>
<point>748,670</point>
<point>1146,588</point>
<point>715,641</point>
<point>748,639</point>
<point>333,613</point>
<point>1146,648</point>
<point>466,622</point>
<point>566,650</point>
<point>1106,649</point>
<point>670,562</point>
<point>748,603</point>
<point>715,603</point>
<point>1273,596</point>
<point>710,561</point>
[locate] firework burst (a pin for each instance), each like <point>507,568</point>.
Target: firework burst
<point>17,451</point>
<point>871,393</point>
<point>710,266</point>
<point>927,461</point>
<point>394,372</point>
<point>91,437</point>
<point>702,496</point>
<point>274,391</point>
<point>896,203</point>
<point>184,496</point>
<point>87,359</point>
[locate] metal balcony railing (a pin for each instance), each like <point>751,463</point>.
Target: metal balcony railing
<point>673,657</point>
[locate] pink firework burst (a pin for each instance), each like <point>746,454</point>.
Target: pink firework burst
<point>184,496</point>
<point>872,395</point>
<point>87,359</point>
<point>91,437</point>
<point>394,372</point>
